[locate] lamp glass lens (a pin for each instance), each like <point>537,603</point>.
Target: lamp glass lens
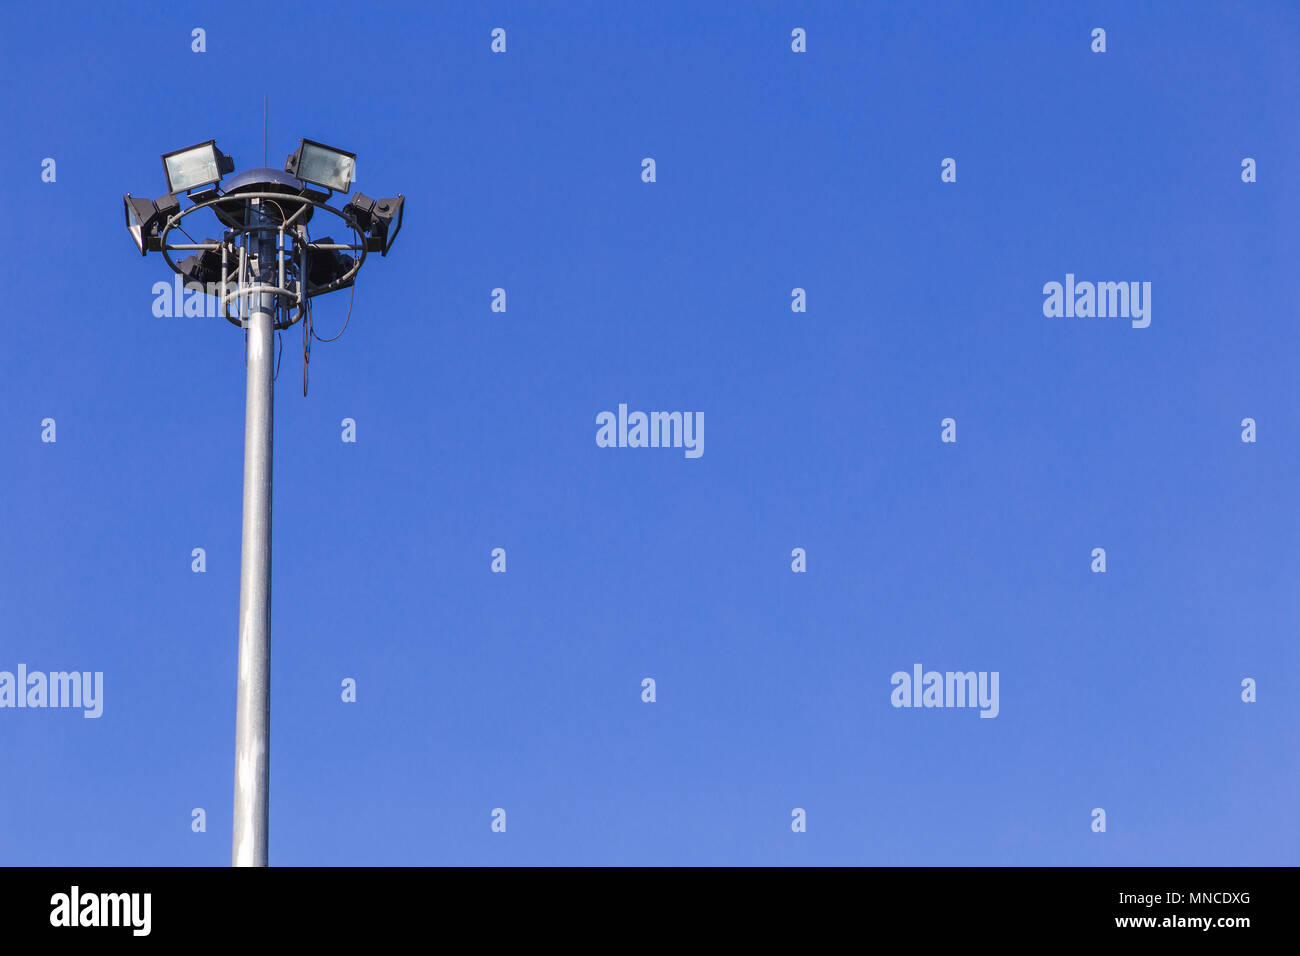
<point>325,167</point>
<point>134,225</point>
<point>194,167</point>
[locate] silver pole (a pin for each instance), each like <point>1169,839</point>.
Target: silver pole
<point>253,708</point>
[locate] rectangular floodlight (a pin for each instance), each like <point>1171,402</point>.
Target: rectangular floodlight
<point>139,213</point>
<point>387,220</point>
<point>323,165</point>
<point>192,167</point>
<point>379,219</point>
<point>145,218</point>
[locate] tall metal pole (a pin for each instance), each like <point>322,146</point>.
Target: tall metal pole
<point>253,708</point>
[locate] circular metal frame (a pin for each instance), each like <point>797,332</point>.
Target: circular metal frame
<point>297,299</point>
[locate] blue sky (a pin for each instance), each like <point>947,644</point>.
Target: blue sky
<point>476,430</point>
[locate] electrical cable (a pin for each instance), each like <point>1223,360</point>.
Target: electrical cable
<point>306,347</point>
<point>279,337</point>
<point>351,297</point>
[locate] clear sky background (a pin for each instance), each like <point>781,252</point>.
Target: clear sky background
<point>476,430</point>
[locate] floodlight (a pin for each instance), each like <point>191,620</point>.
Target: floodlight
<point>327,265</point>
<point>144,216</point>
<point>140,215</point>
<point>204,267</point>
<point>322,165</point>
<point>380,219</point>
<point>388,220</point>
<point>195,166</point>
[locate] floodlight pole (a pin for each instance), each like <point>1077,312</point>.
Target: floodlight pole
<point>253,707</point>
<point>266,212</point>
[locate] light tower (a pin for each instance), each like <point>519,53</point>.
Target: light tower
<point>265,271</point>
